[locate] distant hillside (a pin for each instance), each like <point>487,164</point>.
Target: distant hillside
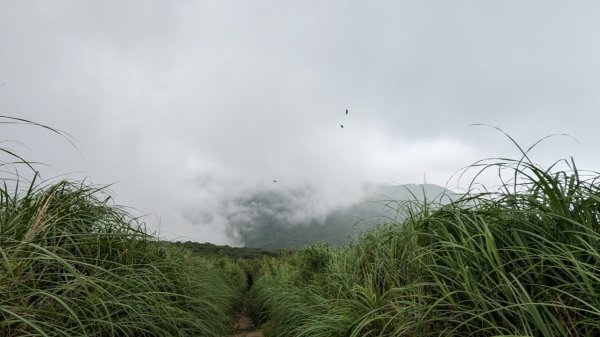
<point>265,224</point>
<point>210,249</point>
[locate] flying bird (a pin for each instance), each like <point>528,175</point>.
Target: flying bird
<point>346,112</point>
<point>342,126</point>
<point>274,180</point>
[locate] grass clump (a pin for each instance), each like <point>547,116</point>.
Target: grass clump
<point>71,264</point>
<point>523,260</point>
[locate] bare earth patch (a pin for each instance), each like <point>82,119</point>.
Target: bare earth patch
<point>245,326</point>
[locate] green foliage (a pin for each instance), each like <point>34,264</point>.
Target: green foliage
<point>209,249</point>
<point>269,230</point>
<point>522,261</point>
<point>72,265</point>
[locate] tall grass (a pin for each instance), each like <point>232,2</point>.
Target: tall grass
<point>71,265</point>
<point>523,260</point>
<point>74,264</point>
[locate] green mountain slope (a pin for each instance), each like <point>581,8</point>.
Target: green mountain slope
<point>267,222</point>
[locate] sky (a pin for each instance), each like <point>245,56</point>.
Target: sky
<point>183,106</point>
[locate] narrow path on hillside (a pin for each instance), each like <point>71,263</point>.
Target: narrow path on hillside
<point>245,326</point>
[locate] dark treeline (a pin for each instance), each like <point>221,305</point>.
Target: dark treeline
<point>209,249</point>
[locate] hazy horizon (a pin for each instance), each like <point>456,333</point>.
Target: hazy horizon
<point>184,107</point>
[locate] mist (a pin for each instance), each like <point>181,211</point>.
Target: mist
<point>187,109</point>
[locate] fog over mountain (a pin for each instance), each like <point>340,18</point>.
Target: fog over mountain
<point>295,218</point>
<point>191,109</point>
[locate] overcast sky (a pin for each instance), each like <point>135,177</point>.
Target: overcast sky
<point>184,105</point>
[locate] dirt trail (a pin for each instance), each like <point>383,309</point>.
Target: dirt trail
<point>245,327</point>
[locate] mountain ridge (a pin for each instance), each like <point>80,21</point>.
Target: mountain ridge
<point>269,223</point>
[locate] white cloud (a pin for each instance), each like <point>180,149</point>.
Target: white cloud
<point>186,105</point>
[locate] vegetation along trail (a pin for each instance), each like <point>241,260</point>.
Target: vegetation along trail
<point>521,259</point>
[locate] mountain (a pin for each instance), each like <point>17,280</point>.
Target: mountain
<point>209,249</point>
<point>273,220</point>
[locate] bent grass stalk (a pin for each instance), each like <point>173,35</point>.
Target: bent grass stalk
<point>522,260</point>
<point>73,265</point>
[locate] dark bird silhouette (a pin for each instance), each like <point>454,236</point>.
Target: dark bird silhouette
<point>274,180</point>
<point>342,126</point>
<point>346,111</point>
